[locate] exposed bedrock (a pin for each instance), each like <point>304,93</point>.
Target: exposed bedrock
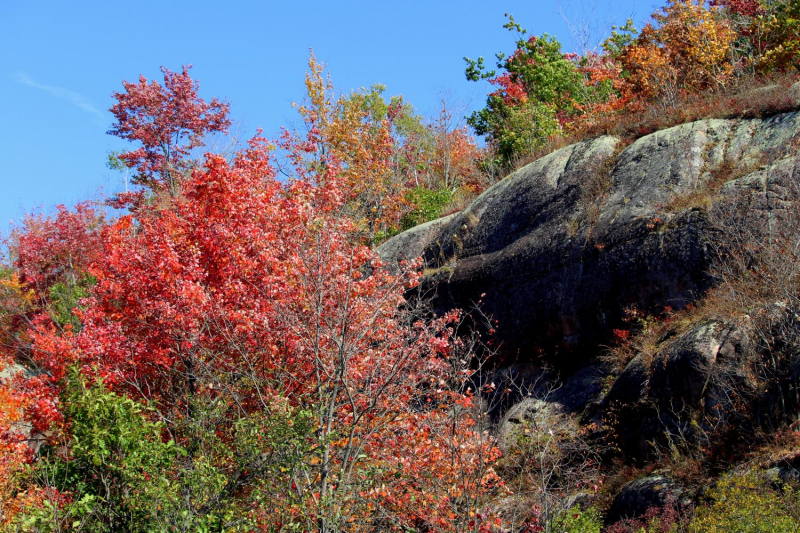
<point>564,245</point>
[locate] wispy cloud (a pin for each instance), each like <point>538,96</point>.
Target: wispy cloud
<point>72,97</point>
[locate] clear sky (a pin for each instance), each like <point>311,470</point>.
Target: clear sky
<point>61,60</point>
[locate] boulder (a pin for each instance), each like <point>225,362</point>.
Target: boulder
<point>534,416</point>
<point>9,372</point>
<point>582,389</point>
<point>642,494</point>
<point>629,387</point>
<point>684,374</point>
<point>794,93</point>
<point>689,389</point>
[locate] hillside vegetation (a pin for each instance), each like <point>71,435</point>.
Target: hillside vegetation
<point>601,334</point>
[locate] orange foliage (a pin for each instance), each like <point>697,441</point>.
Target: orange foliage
<point>599,70</point>
<point>686,50</point>
<point>14,451</point>
<point>442,157</point>
<point>453,158</point>
<point>363,145</point>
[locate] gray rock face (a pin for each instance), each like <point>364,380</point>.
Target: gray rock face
<point>684,391</point>
<point>8,373</point>
<point>411,244</point>
<point>563,245</point>
<point>794,93</point>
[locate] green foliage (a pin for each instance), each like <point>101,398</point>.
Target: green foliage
<point>538,82</point>
<point>621,38</point>
<point>476,70</point>
<point>576,520</point>
<point>115,163</point>
<point>116,470</point>
<point>65,298</point>
<point>746,504</point>
<point>783,27</point>
<point>526,127</point>
<point>548,76</point>
<point>427,204</point>
<point>405,120</point>
<point>275,449</point>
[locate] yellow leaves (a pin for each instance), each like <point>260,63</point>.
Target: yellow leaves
<point>318,90</point>
<point>347,132</point>
<point>12,288</point>
<point>687,50</point>
<point>782,28</point>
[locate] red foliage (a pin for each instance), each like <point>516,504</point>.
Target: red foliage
<point>47,251</point>
<point>513,92</point>
<point>673,516</point>
<point>748,8</point>
<point>169,121</point>
<point>248,281</point>
<point>53,250</point>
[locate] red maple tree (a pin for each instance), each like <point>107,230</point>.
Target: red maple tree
<point>255,296</point>
<point>169,121</point>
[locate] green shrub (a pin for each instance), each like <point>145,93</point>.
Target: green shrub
<point>427,204</point>
<point>115,472</point>
<point>577,521</point>
<point>65,297</point>
<point>747,504</point>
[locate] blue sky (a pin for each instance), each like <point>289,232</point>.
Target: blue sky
<point>61,61</point>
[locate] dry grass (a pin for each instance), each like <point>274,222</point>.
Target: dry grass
<point>551,145</point>
<point>751,98</point>
<point>779,448</point>
<point>460,201</point>
<point>707,190</point>
<point>648,335</point>
<point>596,186</point>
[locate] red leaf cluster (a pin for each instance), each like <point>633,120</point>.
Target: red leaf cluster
<point>168,120</point>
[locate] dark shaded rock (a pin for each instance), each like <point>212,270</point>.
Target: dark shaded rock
<point>625,408</point>
<point>562,246</point>
<point>582,389</point>
<point>505,387</point>
<point>688,393</point>
<point>629,387</point>
<point>683,375</point>
<point>638,496</point>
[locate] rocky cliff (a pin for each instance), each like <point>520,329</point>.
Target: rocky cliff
<point>565,249</point>
<point>563,245</point>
